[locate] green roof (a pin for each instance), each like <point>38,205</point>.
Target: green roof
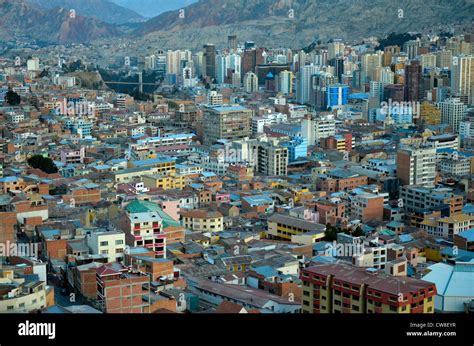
<point>137,206</point>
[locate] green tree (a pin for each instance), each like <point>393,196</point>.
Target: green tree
<point>43,163</point>
<point>12,98</point>
<point>358,232</point>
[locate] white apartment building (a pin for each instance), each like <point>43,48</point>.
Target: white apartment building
<point>108,243</point>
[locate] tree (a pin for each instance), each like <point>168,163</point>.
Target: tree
<point>43,163</point>
<point>358,232</point>
<point>12,98</point>
<point>331,232</point>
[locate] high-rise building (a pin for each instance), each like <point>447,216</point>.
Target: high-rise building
<point>304,83</point>
<point>210,61</point>
<point>412,48</point>
<point>388,52</point>
<point>174,60</point>
<point>462,77</point>
<point>337,95</point>
<point>338,64</point>
<point>272,159</point>
<point>428,60</point>
<point>318,93</point>
<point>226,122</point>
<point>251,58</point>
<point>369,64</point>
<point>443,58</point>
<point>250,82</point>
<point>314,128</point>
<point>416,166</point>
<point>413,81</point>
<point>394,92</point>
<point>452,112</point>
<point>384,75</point>
<point>232,43</point>
<point>285,82</point>
<point>335,49</point>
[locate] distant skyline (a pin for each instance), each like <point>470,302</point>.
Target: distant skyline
<point>152,8</point>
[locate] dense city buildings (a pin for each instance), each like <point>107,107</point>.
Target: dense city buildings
<point>230,175</point>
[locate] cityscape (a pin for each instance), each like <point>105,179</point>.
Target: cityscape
<point>156,158</point>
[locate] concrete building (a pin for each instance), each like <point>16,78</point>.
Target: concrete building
<point>111,244</point>
<point>342,288</point>
<point>416,166</point>
<point>226,122</point>
<point>250,82</point>
<point>452,112</point>
<point>272,159</point>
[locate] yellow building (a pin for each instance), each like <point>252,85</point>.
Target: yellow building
<point>429,114</point>
<point>202,220</point>
<point>165,182</point>
<point>283,227</point>
<point>344,288</point>
<point>138,169</point>
<point>297,192</point>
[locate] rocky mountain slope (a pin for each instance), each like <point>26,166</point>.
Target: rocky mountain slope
<point>297,23</point>
<point>104,10</point>
<point>152,8</point>
<point>58,25</point>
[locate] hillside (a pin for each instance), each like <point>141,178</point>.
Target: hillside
<point>268,22</point>
<point>103,10</point>
<point>19,18</point>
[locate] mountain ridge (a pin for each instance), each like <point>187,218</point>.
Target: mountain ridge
<point>58,25</point>
<point>103,10</point>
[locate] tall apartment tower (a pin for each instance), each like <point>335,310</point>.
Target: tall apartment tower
<point>210,60</point>
<point>388,52</point>
<point>285,82</point>
<point>250,82</point>
<point>369,64</point>
<point>462,79</point>
<point>232,43</point>
<point>413,74</point>
<point>452,112</point>
<point>304,83</point>
<point>416,166</point>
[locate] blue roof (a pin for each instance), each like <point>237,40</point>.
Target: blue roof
<point>153,161</point>
<point>227,108</point>
<point>468,235</point>
<point>452,280</point>
<point>321,246</point>
<point>450,151</point>
<point>266,271</point>
<point>468,208</point>
<point>461,253</point>
<point>258,200</point>
<point>208,174</point>
<point>9,179</point>
<point>323,259</point>
<point>404,238</point>
<point>363,96</point>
